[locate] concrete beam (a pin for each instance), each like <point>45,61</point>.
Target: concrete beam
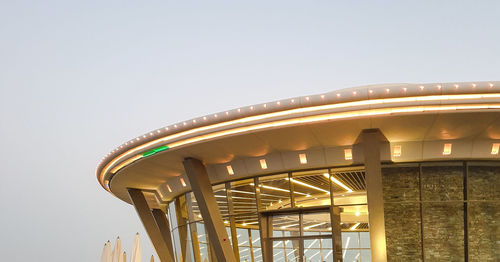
<point>202,190</point>
<point>164,253</point>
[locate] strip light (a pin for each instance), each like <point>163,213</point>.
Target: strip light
<point>310,109</point>
<point>355,226</point>
<point>336,181</point>
<point>315,225</point>
<point>287,226</point>
<point>307,185</point>
<point>279,189</point>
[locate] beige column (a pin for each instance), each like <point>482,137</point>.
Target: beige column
<point>157,238</point>
<point>232,221</point>
<point>335,222</point>
<point>372,148</point>
<point>202,190</point>
<point>163,226</point>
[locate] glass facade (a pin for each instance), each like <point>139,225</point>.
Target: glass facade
<point>437,209</point>
<point>296,204</point>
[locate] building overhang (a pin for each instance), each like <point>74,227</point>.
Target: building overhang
<point>418,120</point>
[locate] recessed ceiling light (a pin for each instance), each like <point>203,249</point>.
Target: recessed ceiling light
<point>230,170</point>
<point>397,151</point>
<point>447,149</point>
<point>303,158</point>
<point>348,154</point>
<point>263,164</point>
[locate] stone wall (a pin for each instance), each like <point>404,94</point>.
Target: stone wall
<point>484,213</point>
<point>402,213</point>
<point>429,206</point>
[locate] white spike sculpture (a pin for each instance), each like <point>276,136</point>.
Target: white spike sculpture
<point>117,252</point>
<point>106,252</point>
<point>136,249</point>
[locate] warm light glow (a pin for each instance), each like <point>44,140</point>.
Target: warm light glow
<point>308,185</point>
<point>279,189</point>
<point>355,226</point>
<point>447,149</point>
<point>357,213</point>
<point>263,164</point>
<point>334,180</point>
<point>230,170</point>
<point>494,148</point>
<point>169,189</point>
<point>287,226</point>
<point>303,158</point>
<point>112,163</point>
<point>397,151</point>
<point>183,183</point>
<point>315,225</point>
<point>348,154</point>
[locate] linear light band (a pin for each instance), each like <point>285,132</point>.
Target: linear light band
<point>307,119</point>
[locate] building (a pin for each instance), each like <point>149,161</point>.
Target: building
<point>399,172</point>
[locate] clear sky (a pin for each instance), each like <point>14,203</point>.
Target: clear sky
<point>78,78</point>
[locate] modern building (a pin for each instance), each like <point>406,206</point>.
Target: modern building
<point>396,172</point>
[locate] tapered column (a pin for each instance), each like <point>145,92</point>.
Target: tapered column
<point>192,228</point>
<point>181,214</point>
<point>372,148</point>
<point>232,221</point>
<point>163,226</point>
<point>202,190</point>
<point>155,235</point>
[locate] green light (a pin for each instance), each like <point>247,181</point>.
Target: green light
<point>154,151</point>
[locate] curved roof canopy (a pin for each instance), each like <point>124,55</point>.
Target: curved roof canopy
<point>417,119</point>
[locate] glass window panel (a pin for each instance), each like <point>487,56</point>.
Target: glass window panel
<point>351,255</point>
<point>312,250</point>
<point>366,255</point>
<point>311,188</point>
<point>292,250</point>
<point>204,252</point>
<point>350,240</point>
<point>316,223</point>
<point>274,191</point>
<point>196,215</point>
<point>221,198</point>
<point>364,239</point>
<point>243,196</point>
<point>255,238</point>
<point>200,228</point>
<point>172,214</point>
<point>176,243</point>
<point>279,250</point>
<point>288,224</point>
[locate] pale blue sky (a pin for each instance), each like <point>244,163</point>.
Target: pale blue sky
<point>80,77</point>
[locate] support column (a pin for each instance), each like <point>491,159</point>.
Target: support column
<point>335,223</point>
<point>232,221</point>
<point>192,228</point>
<point>202,189</point>
<point>157,239</point>
<point>371,148</point>
<point>264,231</point>
<point>181,214</point>
<point>163,226</point>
